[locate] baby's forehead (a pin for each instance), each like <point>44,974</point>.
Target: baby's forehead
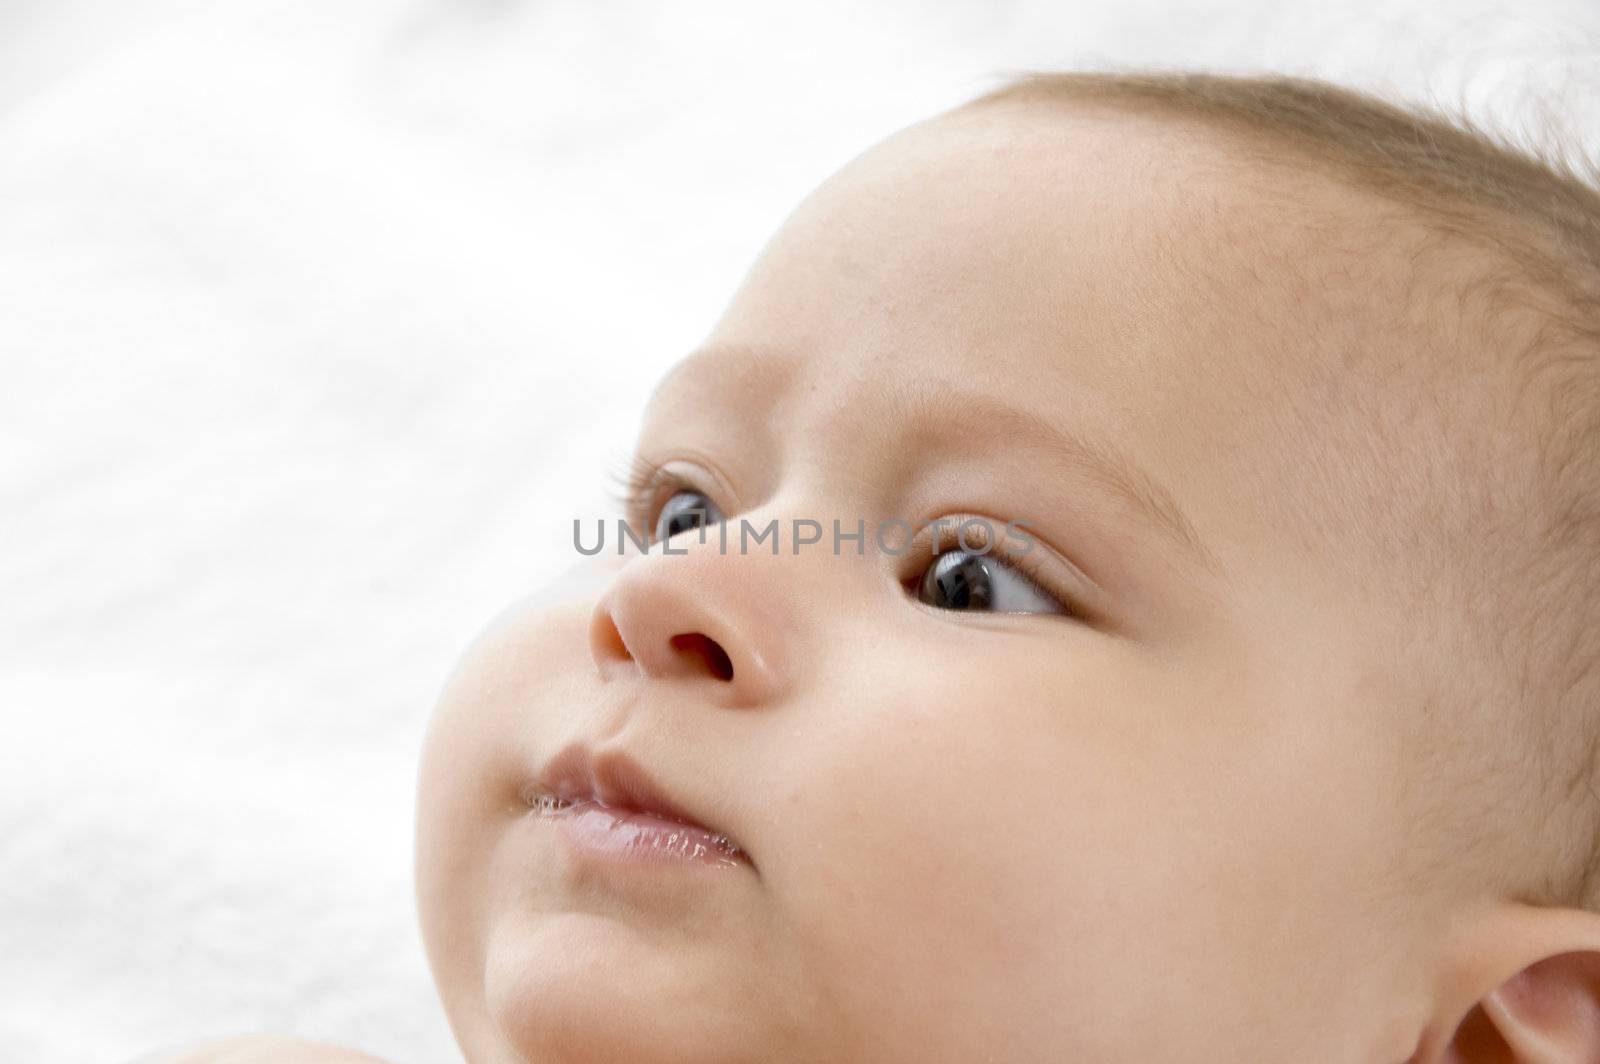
<point>1008,227</point>
<point>1032,250</point>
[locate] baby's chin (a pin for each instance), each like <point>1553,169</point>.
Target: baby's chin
<point>577,986</point>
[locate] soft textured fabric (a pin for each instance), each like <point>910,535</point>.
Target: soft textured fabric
<point>166,1055</point>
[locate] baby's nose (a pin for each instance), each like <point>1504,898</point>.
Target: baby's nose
<point>695,618</point>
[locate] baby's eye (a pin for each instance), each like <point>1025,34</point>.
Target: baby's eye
<point>683,511</point>
<point>967,580</point>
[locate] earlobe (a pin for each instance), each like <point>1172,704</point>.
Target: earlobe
<point>1534,976</point>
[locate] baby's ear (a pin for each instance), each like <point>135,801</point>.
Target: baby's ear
<point>1536,976</point>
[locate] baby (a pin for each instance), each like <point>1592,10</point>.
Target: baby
<point>1121,587</point>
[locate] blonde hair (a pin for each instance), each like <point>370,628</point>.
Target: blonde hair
<point>1537,214</point>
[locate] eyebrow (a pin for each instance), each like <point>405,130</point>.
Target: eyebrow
<point>922,403</point>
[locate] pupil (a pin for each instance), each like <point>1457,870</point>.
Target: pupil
<point>958,580</point>
<point>684,511</point>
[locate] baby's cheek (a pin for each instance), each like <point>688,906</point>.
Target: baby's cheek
<point>964,874</point>
<point>1036,861</point>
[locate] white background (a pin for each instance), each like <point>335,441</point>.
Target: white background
<point>319,321</point>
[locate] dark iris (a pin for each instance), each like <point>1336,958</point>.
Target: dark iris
<point>685,510</point>
<point>958,580</point>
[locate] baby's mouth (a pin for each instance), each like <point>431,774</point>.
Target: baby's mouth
<point>607,805</point>
<point>626,833</point>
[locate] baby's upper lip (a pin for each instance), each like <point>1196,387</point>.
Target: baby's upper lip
<point>612,778</point>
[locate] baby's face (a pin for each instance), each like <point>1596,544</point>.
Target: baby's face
<point>1139,794</point>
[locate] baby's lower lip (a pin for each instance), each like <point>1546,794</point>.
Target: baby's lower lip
<point>625,835</point>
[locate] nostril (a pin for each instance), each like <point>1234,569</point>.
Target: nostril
<point>706,650</point>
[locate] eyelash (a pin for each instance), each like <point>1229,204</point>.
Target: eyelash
<point>636,489</point>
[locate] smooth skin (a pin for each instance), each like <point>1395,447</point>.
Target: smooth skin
<point>1188,819</point>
